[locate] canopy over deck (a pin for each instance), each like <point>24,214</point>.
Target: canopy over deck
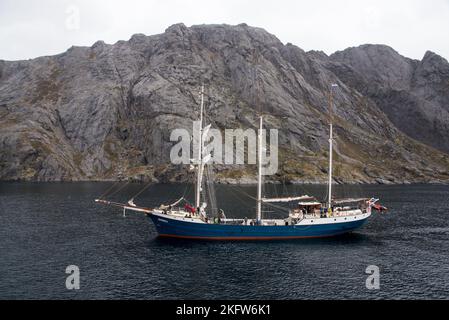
<point>349,200</point>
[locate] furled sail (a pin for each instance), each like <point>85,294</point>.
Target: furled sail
<point>211,191</point>
<point>287,199</point>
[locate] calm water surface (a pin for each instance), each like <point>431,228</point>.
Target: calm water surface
<point>46,227</point>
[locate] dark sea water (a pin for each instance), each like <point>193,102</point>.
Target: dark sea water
<point>46,227</point>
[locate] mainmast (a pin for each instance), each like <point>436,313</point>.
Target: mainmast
<point>200,154</point>
<point>331,140</point>
<point>259,180</point>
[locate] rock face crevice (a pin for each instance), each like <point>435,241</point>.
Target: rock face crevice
<point>107,111</point>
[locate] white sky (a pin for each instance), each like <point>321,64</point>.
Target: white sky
<point>30,28</point>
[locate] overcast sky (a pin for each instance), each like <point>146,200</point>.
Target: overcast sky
<point>30,29</point>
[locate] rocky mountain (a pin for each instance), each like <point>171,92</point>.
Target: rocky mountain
<point>107,111</point>
<point>413,94</point>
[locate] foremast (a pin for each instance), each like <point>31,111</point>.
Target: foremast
<point>199,170</point>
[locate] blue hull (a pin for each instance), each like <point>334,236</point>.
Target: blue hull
<point>190,230</point>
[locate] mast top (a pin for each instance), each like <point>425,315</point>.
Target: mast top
<point>333,85</point>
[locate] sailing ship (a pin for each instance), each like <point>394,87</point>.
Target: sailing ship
<point>309,218</point>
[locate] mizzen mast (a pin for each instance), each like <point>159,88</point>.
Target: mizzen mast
<point>259,176</point>
<point>331,140</point>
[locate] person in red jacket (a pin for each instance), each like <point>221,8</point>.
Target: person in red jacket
<point>189,208</point>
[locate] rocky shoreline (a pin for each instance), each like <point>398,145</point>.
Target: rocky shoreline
<point>250,181</point>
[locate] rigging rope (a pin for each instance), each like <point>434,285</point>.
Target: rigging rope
<point>119,189</point>
<point>108,190</point>
<point>144,188</point>
<point>277,207</point>
<point>187,188</point>
<point>268,204</point>
<point>240,199</point>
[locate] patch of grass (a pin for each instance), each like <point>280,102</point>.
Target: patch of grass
<point>78,159</point>
<point>41,147</point>
<point>28,174</point>
<point>9,122</point>
<point>232,174</point>
<point>48,88</point>
<point>108,148</point>
<point>142,170</point>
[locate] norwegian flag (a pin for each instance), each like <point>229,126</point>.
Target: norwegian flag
<point>377,206</point>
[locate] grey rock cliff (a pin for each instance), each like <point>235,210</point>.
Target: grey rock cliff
<point>413,94</point>
<point>106,112</point>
